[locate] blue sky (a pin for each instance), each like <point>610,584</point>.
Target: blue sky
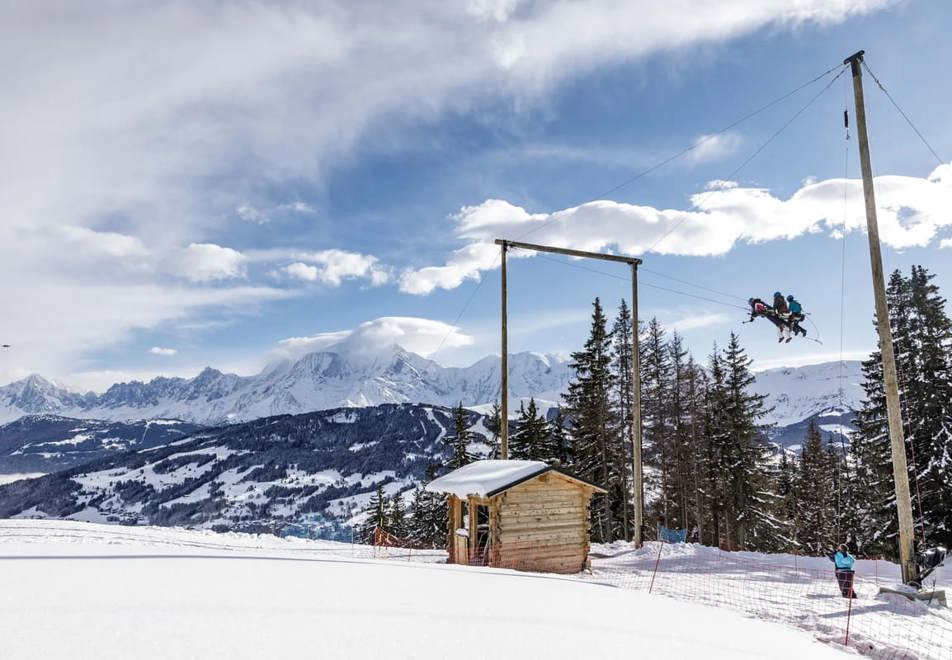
<point>194,186</point>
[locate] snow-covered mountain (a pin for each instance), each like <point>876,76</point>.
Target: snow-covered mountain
<point>315,470</point>
<point>796,393</point>
<point>316,381</point>
<point>46,443</point>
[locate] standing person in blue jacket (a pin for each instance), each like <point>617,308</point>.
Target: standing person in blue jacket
<point>843,561</point>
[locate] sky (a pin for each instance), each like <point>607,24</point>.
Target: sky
<point>190,184</point>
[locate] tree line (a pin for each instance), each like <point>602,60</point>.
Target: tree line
<point>709,466</point>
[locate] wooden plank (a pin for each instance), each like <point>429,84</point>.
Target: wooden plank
<point>540,523</point>
<point>574,512</point>
<point>551,486</point>
<point>543,552</point>
<point>553,535</point>
<point>529,497</point>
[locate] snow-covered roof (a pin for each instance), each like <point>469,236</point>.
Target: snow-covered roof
<point>488,478</point>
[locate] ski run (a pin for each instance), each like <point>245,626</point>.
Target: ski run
<point>83,590</point>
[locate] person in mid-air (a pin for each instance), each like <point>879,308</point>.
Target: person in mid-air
<point>780,304</point>
<point>843,561</point>
<point>796,315</point>
<point>759,308</point>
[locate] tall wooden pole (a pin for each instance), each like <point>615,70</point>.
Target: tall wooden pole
<point>637,484</point>
<point>893,411</point>
<point>504,364</point>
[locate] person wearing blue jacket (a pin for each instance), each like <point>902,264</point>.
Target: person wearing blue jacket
<point>843,561</point>
<point>795,311</point>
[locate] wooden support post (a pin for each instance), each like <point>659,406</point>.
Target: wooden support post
<point>893,411</point>
<point>504,364</point>
<point>637,484</point>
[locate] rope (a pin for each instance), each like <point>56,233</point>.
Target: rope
<point>695,145</point>
<point>640,282</point>
<point>753,155</point>
<point>904,115</point>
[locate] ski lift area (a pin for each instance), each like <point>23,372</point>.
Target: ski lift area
<point>524,515</point>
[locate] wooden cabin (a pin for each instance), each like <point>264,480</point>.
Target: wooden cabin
<point>526,515</point>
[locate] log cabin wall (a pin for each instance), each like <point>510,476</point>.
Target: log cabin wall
<point>542,525</point>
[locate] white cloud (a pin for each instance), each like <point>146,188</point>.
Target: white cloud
<point>713,147</point>
<point>159,350</point>
<point>298,207</point>
<point>330,267</point>
<point>417,335</point>
<point>251,214</point>
<point>911,212</point>
<point>695,321</point>
<point>207,262</point>
<point>143,127</point>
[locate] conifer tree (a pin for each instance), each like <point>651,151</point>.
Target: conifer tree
<point>594,429</point>
<point>530,442</point>
<point>876,499</point>
<point>458,443</point>
<point>816,495</point>
<point>788,505</point>
<point>656,392</point>
<point>927,385</point>
<point>376,515</point>
<point>559,438</point>
<point>397,516</point>
<point>427,525</point>
<point>749,498</point>
<point>623,403</point>
<point>494,426</point>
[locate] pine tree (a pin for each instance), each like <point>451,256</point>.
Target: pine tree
<point>458,443</point>
<point>397,516</point>
<point>927,384</point>
<point>559,438</point>
<point>816,495</point>
<point>427,525</point>
<point>680,437</point>
<point>594,429</point>
<point>876,501</point>
<point>749,499</point>
<point>530,441</point>
<point>656,393</point>
<point>623,403</point>
<point>788,505</point>
<point>376,514</point>
<point>494,426</point>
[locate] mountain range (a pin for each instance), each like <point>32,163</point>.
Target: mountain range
<point>316,381</point>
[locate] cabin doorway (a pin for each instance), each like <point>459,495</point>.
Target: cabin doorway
<point>479,541</point>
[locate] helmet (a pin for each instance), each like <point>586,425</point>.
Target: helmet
<point>777,293</point>
<point>790,298</point>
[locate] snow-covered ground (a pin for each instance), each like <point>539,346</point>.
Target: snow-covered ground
<point>75,590</point>
<point>797,591</point>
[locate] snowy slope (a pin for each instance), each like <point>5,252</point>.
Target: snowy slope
<point>313,471</point>
<point>796,393</point>
<point>317,381</point>
<point>88,591</point>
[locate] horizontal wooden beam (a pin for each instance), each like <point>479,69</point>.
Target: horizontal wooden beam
<point>634,261</point>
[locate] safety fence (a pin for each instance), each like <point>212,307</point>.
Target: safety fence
<point>798,591</point>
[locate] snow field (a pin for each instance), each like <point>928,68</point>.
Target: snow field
<point>74,590</point>
<point>797,591</point>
